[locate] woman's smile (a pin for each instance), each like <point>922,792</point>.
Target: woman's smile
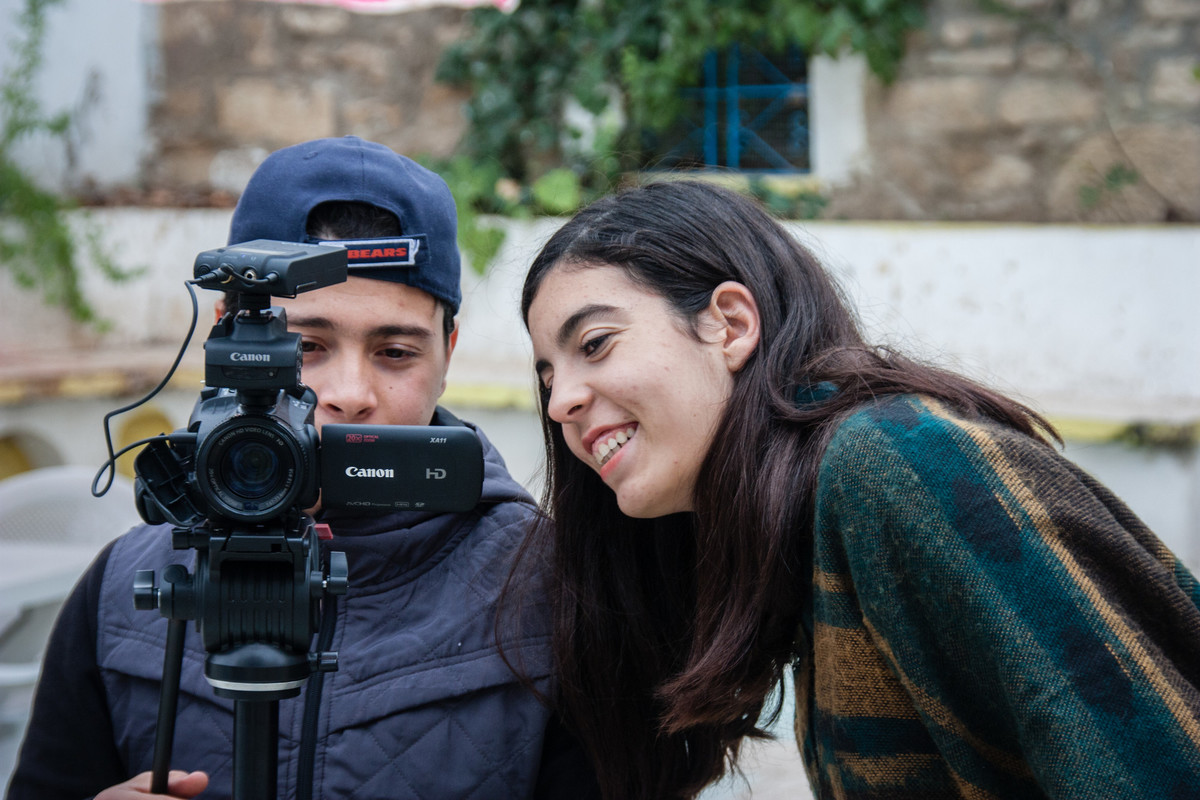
<point>605,445</point>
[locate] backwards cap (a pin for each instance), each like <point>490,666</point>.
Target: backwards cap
<point>292,181</point>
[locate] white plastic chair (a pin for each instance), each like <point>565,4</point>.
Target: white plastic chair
<point>55,505</point>
<point>51,527</point>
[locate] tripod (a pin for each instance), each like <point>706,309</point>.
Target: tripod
<point>255,597</point>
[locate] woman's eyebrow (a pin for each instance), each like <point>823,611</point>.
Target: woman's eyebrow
<point>572,323</point>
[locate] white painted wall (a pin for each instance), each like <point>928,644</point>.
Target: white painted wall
<point>98,64</point>
<point>838,117</point>
<point>1084,321</point>
<point>1088,322</point>
<point>1094,322</point>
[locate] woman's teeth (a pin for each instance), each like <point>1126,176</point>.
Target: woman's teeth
<point>604,449</point>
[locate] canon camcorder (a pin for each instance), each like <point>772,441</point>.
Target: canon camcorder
<point>251,454</point>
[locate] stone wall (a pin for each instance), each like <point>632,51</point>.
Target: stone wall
<point>1054,110</point>
<point>239,80</point>
<point>1076,110</point>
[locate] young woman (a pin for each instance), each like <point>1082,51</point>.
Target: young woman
<point>737,485</point>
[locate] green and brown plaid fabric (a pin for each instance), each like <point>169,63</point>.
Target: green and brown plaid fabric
<point>989,622</point>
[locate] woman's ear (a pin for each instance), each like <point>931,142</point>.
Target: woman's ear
<point>733,308</point>
<point>219,309</point>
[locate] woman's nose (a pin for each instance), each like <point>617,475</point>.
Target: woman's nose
<point>567,397</point>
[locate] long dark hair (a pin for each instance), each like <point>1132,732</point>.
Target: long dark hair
<point>670,633</point>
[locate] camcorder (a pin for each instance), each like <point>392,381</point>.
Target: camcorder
<point>238,483</point>
<point>252,455</point>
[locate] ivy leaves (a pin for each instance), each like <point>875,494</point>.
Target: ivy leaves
<point>628,59</point>
<point>37,243</point>
<point>569,95</point>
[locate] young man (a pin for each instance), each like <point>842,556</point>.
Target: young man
<point>423,704</point>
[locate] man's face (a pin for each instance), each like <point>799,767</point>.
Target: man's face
<point>374,351</point>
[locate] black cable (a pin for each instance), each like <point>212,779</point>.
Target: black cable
<point>110,465</point>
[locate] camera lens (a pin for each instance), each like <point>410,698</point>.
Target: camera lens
<point>251,469</point>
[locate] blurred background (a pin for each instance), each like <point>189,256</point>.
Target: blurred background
<point>1010,188</point>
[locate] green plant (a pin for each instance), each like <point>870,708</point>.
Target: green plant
<point>1113,181</point>
<point>473,184</point>
<point>624,61</point>
<point>557,191</point>
<point>480,188</point>
<point>37,243</point>
<point>802,203</point>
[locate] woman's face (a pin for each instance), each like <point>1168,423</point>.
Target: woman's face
<point>637,394</point>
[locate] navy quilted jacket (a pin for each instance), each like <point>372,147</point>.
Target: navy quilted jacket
<point>421,706</point>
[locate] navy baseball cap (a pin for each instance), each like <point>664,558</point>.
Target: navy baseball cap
<point>292,181</point>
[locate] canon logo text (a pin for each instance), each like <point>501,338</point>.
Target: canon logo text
<point>369,472</point>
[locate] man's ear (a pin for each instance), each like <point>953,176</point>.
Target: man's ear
<point>450,344</point>
<point>219,308</point>
<point>734,309</point>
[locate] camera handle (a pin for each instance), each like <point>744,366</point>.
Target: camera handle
<point>254,668</point>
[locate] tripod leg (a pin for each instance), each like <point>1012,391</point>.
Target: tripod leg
<point>168,701</point>
<point>255,749</point>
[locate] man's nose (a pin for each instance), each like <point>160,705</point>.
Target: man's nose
<point>348,391</point>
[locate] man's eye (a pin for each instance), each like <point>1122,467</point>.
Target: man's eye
<point>397,352</point>
<point>308,347</point>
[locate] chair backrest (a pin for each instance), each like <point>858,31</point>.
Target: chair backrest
<point>55,505</point>
<point>50,512</point>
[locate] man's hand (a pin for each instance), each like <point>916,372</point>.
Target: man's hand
<point>179,784</point>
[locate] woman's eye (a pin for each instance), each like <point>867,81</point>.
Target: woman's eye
<point>591,346</point>
<point>308,347</point>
